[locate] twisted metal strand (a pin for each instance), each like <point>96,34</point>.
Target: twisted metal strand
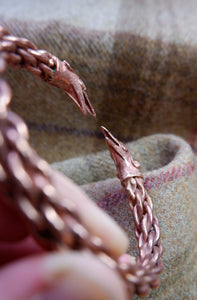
<point>26,182</point>
<point>141,274</point>
<point>22,53</point>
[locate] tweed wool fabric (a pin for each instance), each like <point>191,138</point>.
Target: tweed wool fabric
<point>170,175</point>
<point>138,62</point>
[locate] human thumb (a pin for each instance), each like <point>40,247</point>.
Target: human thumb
<point>70,275</point>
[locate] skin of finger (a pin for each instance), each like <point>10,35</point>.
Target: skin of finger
<point>13,251</point>
<point>96,220</point>
<point>77,274</point>
<point>12,227</point>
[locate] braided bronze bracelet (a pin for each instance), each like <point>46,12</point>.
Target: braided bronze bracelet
<point>26,179</point>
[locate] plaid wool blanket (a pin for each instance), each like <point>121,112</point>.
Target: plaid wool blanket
<point>139,62</point>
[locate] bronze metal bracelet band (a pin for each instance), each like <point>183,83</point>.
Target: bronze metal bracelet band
<point>26,179</point>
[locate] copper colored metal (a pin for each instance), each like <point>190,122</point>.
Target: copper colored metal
<point>26,179</point>
<point>21,53</point>
<point>143,273</point>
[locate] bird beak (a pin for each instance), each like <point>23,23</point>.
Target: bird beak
<point>113,143</point>
<point>65,77</point>
<point>77,92</point>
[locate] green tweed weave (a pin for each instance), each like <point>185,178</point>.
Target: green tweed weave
<point>138,60</point>
<point>170,174</point>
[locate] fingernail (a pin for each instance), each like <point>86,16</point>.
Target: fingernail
<point>79,276</point>
<point>99,222</point>
<point>93,217</point>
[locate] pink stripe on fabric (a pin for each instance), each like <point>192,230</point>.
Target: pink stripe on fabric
<point>176,172</point>
<point>151,182</point>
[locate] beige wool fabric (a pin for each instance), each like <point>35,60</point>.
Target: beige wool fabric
<point>138,60</point>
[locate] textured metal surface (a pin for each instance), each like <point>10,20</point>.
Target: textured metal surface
<point>26,179</point>
<point>21,53</point>
<point>143,272</point>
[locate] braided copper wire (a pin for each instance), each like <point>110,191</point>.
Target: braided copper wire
<point>26,178</point>
<point>21,53</point>
<point>143,272</point>
<point>26,182</point>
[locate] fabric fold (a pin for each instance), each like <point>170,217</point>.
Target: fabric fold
<point>170,175</point>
